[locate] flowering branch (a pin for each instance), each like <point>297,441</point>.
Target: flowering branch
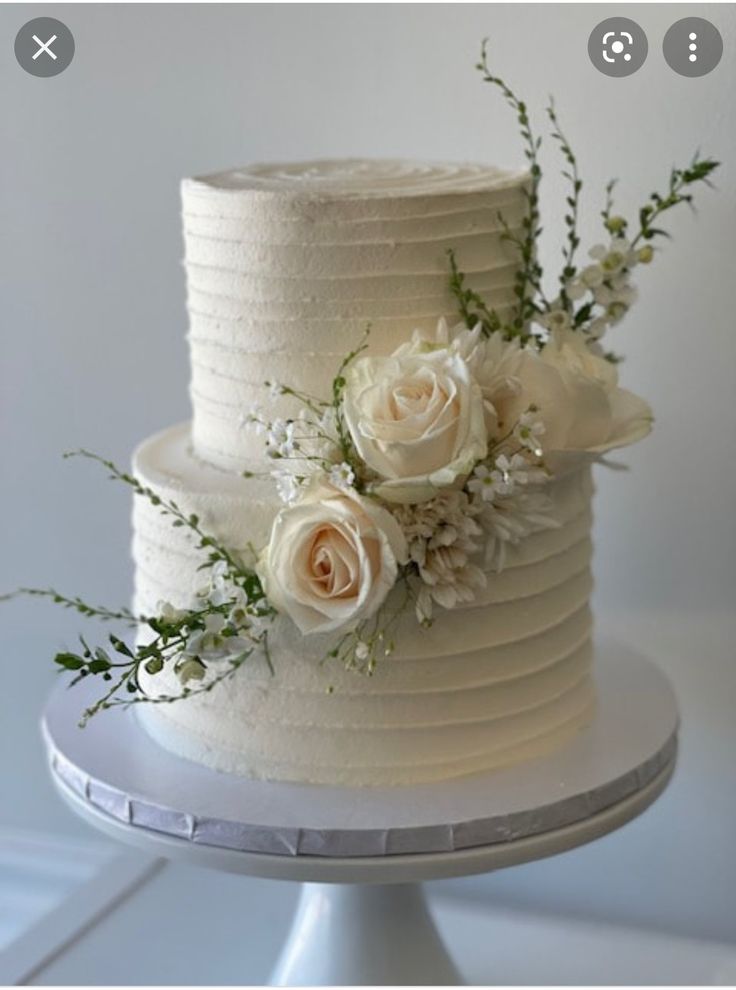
<point>223,630</point>
<point>699,170</point>
<point>600,295</point>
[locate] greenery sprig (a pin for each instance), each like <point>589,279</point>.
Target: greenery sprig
<point>528,277</point>
<point>338,388</point>
<point>76,603</point>
<point>601,295</point>
<point>204,644</point>
<point>680,180</point>
<point>472,306</point>
<point>572,201</point>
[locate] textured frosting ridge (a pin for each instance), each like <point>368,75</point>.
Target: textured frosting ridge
<point>504,679</point>
<point>287,264</point>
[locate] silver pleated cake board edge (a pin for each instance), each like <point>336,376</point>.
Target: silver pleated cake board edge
<point>117,777</point>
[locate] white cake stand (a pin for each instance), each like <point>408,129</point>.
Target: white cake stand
<point>361,853</point>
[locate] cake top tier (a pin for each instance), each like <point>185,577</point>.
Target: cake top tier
<point>287,264</point>
<point>357,178</point>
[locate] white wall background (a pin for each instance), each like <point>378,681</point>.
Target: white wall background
<point>93,325</point>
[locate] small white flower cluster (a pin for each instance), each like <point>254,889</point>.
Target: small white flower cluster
<point>227,633</point>
<point>280,438</point>
<point>308,442</point>
<point>342,476</point>
<point>504,477</point>
<point>606,283</point>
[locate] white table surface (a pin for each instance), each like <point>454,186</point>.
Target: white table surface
<point>236,937</point>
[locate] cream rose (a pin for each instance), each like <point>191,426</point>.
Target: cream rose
<point>576,391</point>
<point>416,419</point>
<point>331,560</point>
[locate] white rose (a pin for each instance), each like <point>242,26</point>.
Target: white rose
<point>331,560</point>
<point>579,400</point>
<point>416,419</point>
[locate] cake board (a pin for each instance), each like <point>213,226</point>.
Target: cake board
<point>362,853</point>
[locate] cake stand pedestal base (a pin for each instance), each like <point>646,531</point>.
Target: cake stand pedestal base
<point>362,853</point>
<point>369,935</point>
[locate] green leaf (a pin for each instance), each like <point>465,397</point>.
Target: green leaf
<point>98,666</point>
<point>69,661</point>
<point>120,647</point>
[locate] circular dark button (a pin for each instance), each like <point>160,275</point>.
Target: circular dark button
<point>44,47</point>
<point>617,47</point>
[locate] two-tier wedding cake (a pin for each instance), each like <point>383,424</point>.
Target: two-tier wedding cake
<point>286,265</point>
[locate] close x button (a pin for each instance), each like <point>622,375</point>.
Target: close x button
<point>44,46</point>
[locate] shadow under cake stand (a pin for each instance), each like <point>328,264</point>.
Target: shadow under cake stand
<point>361,853</point>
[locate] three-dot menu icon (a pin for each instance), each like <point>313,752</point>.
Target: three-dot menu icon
<point>692,46</point>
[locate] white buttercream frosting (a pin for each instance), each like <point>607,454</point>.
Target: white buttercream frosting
<point>287,264</point>
<point>501,680</point>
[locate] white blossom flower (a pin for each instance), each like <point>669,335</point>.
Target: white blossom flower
<point>556,319</point>
<point>514,470</point>
<point>342,475</point>
<point>280,441</point>
<point>529,430</point>
<point>275,389</point>
<point>615,290</point>
<point>239,615</point>
<point>487,483</point>
<point>216,591</point>
<point>207,641</point>
<point>618,257</point>
<point>288,486</point>
<point>591,276</point>
<point>575,289</point>
<point>362,650</point>
<point>166,611</point>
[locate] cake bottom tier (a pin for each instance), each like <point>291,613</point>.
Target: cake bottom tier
<point>503,680</point>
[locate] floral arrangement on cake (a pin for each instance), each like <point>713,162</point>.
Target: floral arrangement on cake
<point>403,488</point>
